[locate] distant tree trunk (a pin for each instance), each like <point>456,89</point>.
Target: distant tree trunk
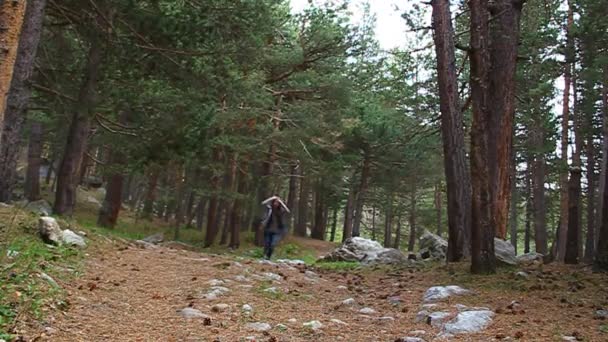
<point>438,208</point>
<point>189,208</point>
<point>12,15</point>
<point>604,161</point>
<point>180,190</point>
<point>514,203</point>
<point>49,172</point>
<point>456,173</point>
<point>200,213</point>
<point>397,243</point>
<point>334,225</point>
<point>212,213</point>
<point>292,197</point>
<point>412,221</point>
<point>67,176</point>
<point>482,223</point>
<point>318,232</point>
<point>237,208</point>
<point>230,187</point>
<point>362,192</point>
<point>302,221</point>
<point>590,238</point>
<point>600,262</point>
<point>572,249</point>
<point>150,197</point>
<point>348,215</point>
<point>538,181</point>
<point>34,160</point>
<point>388,222</point>
<point>529,207</point>
<point>564,185</point>
<point>504,42</point>
<point>374,222</point>
<point>19,94</point>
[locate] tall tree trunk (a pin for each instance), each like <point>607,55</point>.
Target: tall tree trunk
<point>189,208</point>
<point>150,197</point>
<point>212,213</point>
<point>529,204</point>
<point>110,208</point>
<point>362,192</point>
<point>572,249</point>
<point>237,208</point>
<point>34,160</point>
<point>318,232</point>
<point>67,176</point>
<point>18,96</point>
<point>292,197</point>
<point>514,201</point>
<point>412,221</point>
<point>374,222</point>
<point>600,261</point>
<point>590,238</point>
<point>200,213</point>
<point>388,222</point>
<point>504,41</point>
<point>301,228</point>
<point>227,202</point>
<point>604,160</point>
<point>569,56</point>
<point>180,190</point>
<point>348,215</point>
<point>540,208</point>
<point>334,225</point>
<point>452,129</point>
<point>482,221</point>
<point>397,242</point>
<point>438,208</point>
<point>12,15</point>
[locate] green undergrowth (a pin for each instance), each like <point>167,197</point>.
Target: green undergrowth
<point>31,272</point>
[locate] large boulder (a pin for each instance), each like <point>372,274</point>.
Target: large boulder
<point>530,258</point>
<point>358,249</point>
<point>155,239</point>
<point>505,252</point>
<point>440,293</point>
<point>73,239</point>
<point>469,322</point>
<point>40,207</point>
<point>49,230</point>
<point>433,246</point>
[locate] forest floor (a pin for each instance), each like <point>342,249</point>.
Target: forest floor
<point>130,293</point>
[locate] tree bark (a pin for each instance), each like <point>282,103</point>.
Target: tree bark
<point>301,227</point>
<point>374,222</point>
<point>12,15</point>
<point>348,215</point>
<point>397,243</point>
<point>200,213</point>
<point>212,213</point>
<point>529,205</point>
<point>34,160</point>
<point>388,222</point>
<point>412,221</point>
<point>67,176</point>
<point>292,197</point>
<point>438,208</point>
<point>600,262</point>
<point>237,208</point>
<point>150,197</point>
<point>572,249</point>
<point>482,224</point>
<point>334,225</point>
<point>230,187</point>
<point>604,161</point>
<point>452,129</point>
<point>504,41</point>
<point>569,56</point>
<point>514,201</point>
<point>540,208</point>
<point>18,96</point>
<point>362,192</point>
<point>590,152</point>
<point>318,232</point>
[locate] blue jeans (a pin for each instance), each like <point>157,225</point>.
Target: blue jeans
<point>271,239</point>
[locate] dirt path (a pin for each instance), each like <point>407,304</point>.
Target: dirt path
<point>134,294</point>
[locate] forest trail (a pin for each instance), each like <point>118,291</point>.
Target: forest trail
<point>128,293</point>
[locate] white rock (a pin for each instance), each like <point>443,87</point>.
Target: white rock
<point>192,313</point>
<point>367,311</point>
<point>292,321</point>
<point>40,207</point>
<point>49,230</point>
<point>522,275</point>
<point>220,307</point>
<point>258,327</point>
<point>410,339</point>
<point>569,338</point>
<point>438,293</point>
<point>145,244</point>
<point>311,274</point>
<point>94,201</point>
<point>49,279</point>
<point>342,287</point>
<point>601,314</point>
<point>241,278</point>
<point>11,253</point>
<point>247,308</point>
<point>437,319</point>
<point>338,322</point>
<point>216,282</point>
<point>281,327</point>
<point>272,290</point>
<point>349,302</point>
<point>215,292</point>
<point>272,276</point>
<point>469,322</point>
<point>417,332</point>
<point>386,319</point>
<point>293,262</point>
<point>462,308</point>
<point>73,239</point>
<point>505,252</point>
<point>314,325</point>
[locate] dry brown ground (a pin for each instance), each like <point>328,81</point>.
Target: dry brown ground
<point>133,294</point>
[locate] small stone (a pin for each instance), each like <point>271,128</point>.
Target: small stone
<point>342,287</point>
<point>349,302</point>
<point>417,332</point>
<point>292,321</point>
<point>367,311</point>
<point>192,313</point>
<point>438,293</point>
<point>469,322</point>
<point>311,274</point>
<point>395,300</point>
<point>386,319</point>
<point>216,282</point>
<point>241,279</point>
<point>220,307</point>
<point>272,276</point>
<point>601,314</point>
<point>247,308</point>
<point>410,339</point>
<point>314,325</point>
<point>50,280</point>
<point>522,275</point>
<point>250,338</point>
<point>338,322</point>
<point>569,338</point>
<point>73,239</point>
<point>281,327</point>
<point>258,327</point>
<point>272,290</point>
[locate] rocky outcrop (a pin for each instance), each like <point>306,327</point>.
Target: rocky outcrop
<point>505,252</point>
<point>432,246</point>
<point>367,251</point>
